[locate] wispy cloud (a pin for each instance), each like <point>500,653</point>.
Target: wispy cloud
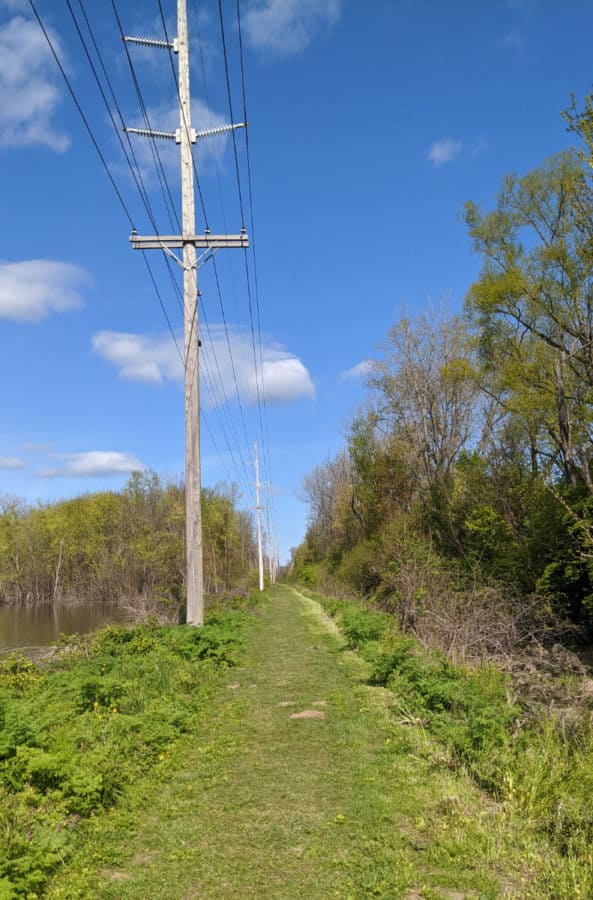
<point>286,27</point>
<point>36,448</point>
<point>513,42</point>
<point>445,151</point>
<point>360,370</point>
<point>92,464</point>
<point>516,41</point>
<point>11,462</point>
<point>32,289</point>
<point>156,361</point>
<point>29,93</point>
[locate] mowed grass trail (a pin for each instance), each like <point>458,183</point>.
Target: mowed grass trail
<point>344,802</point>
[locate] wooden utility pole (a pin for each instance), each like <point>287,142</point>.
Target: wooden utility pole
<point>193,511</point>
<point>258,507</point>
<point>269,540</point>
<point>185,136</point>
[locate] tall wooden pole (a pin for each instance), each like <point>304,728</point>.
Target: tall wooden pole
<point>193,513</point>
<point>258,506</point>
<point>185,136</point>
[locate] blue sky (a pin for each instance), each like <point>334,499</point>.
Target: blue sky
<point>370,125</point>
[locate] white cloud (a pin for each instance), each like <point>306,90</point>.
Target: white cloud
<point>444,151</point>
<point>156,360</point>
<point>139,358</point>
<point>33,289</point>
<point>288,26</point>
<point>360,370</point>
<point>93,464</point>
<point>284,379</point>
<point>11,462</point>
<point>29,93</point>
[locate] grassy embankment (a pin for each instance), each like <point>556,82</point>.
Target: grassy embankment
<point>203,785</point>
<point>86,732</point>
<point>539,765</point>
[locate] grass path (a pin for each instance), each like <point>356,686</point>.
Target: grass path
<point>345,804</point>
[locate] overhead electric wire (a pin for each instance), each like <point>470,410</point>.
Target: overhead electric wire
<point>217,278</point>
<point>218,180</point>
<point>259,374</point>
<point>82,115</point>
<point>134,168</point>
<point>163,181</point>
<point>254,251</point>
<point>131,158</point>
<point>158,163</point>
<point>230,102</point>
<point>143,193</point>
<point>95,142</point>
<point>185,124</point>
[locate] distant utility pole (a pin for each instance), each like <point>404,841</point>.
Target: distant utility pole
<point>189,241</point>
<point>272,551</point>
<point>259,507</point>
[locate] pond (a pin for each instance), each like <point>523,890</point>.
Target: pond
<point>35,625</point>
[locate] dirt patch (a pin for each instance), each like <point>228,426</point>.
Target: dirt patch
<point>233,687</point>
<point>113,874</point>
<point>319,703</point>
<point>145,858</point>
<point>309,714</point>
<point>287,703</point>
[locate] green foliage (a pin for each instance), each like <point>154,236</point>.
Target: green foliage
<point>358,568</point>
<point>361,626</point>
<point>107,545</point>
<point>76,734</point>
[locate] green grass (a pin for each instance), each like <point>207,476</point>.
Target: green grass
<point>542,769</point>
<point>79,734</point>
<point>213,790</point>
<point>261,805</point>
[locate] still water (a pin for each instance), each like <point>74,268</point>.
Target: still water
<point>39,624</point>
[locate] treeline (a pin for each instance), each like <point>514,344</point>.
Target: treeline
<point>126,546</point>
<point>463,499</point>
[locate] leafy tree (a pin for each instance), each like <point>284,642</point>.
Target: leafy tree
<point>533,308</point>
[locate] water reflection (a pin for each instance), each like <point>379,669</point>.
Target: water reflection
<point>38,624</point>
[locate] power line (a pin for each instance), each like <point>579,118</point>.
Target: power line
<point>82,115</point>
<point>175,79</point>
<point>217,279</point>
<point>138,181</point>
<point>266,447</point>
<point>161,174</point>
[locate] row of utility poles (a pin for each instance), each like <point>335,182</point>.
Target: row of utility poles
<point>272,548</point>
<point>189,242</point>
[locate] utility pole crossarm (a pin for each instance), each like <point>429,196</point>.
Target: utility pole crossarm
<point>201,241</point>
